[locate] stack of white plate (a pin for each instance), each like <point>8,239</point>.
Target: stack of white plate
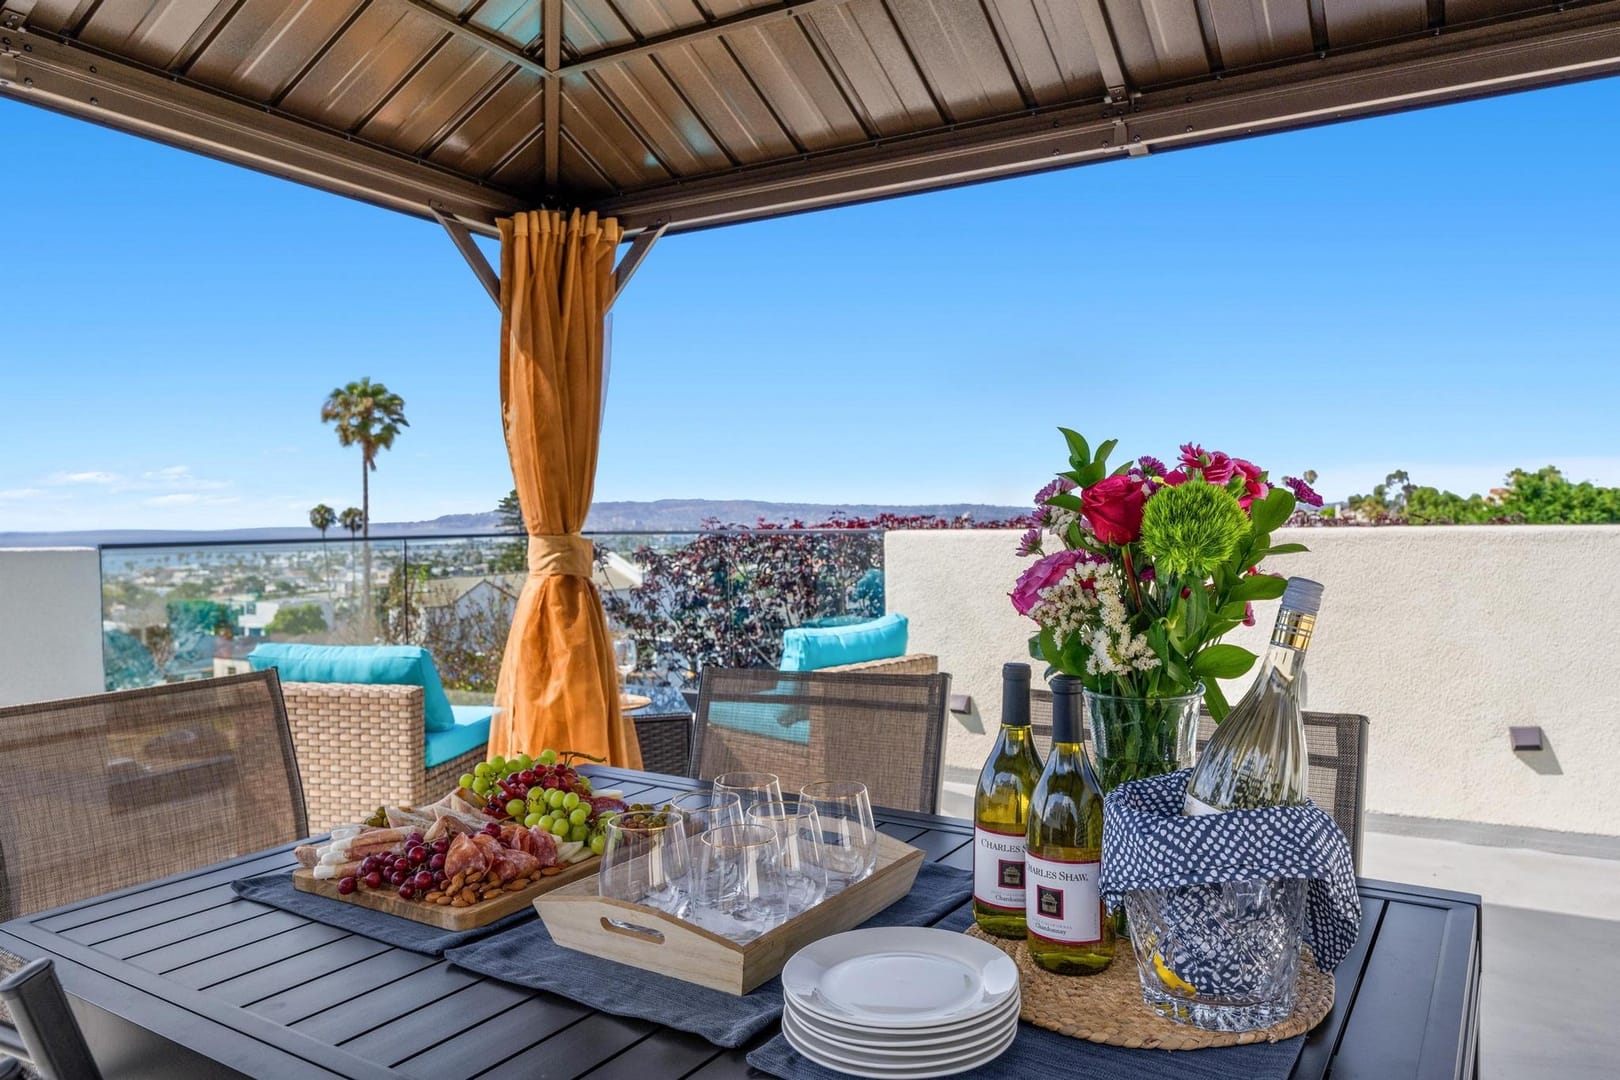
<point>901,1002</point>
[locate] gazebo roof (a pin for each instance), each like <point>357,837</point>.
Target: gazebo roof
<point>689,115</point>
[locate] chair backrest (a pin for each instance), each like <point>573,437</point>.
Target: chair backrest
<point>885,731</point>
<point>49,1031</point>
<point>1337,743</point>
<point>104,792</point>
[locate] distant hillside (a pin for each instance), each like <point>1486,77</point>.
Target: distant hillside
<point>664,515</point>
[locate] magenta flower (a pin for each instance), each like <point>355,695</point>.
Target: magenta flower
<point>1042,575</point>
<point>1302,491</point>
<point>1058,486</point>
<point>1029,543</point>
<point>1215,467</point>
<point>1151,466</point>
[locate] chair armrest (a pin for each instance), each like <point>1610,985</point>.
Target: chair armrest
<point>914,664</point>
<point>344,730</point>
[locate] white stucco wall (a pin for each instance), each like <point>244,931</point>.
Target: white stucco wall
<point>50,624</point>
<point>1442,636</point>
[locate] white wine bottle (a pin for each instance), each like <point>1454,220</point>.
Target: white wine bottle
<point>1068,931</point>
<point>1258,756</point>
<point>1001,812</point>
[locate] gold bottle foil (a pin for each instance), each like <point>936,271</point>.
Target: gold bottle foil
<point>1293,629</point>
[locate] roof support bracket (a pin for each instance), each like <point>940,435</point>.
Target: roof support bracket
<point>470,251</point>
<point>628,265</point>
<point>14,13</point>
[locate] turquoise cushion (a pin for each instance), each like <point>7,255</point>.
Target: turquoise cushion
<point>786,722</point>
<point>814,648</point>
<point>471,732</point>
<point>374,665</point>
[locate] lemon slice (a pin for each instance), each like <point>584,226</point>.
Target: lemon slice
<point>1171,979</point>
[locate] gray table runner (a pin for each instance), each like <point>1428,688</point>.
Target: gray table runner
<point>277,891</point>
<point>1037,1052</point>
<point>527,956</point>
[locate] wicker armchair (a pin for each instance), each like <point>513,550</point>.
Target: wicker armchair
<point>913,664</point>
<point>345,731</point>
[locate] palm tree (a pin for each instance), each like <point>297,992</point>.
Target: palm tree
<point>353,519</point>
<point>367,415</point>
<point>323,517</point>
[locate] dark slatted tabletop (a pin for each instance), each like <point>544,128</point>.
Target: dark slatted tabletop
<point>264,993</point>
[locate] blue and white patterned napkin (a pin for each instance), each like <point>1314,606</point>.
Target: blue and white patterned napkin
<point>1148,844</point>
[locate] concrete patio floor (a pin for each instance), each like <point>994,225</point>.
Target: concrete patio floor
<point>1551,941</point>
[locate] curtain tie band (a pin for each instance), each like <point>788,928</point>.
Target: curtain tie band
<point>565,553</point>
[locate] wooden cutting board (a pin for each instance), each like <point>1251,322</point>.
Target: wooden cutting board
<point>444,916</point>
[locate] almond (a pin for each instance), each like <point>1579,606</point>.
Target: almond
<point>468,896</point>
<point>458,903</point>
<point>433,897</point>
<point>517,886</point>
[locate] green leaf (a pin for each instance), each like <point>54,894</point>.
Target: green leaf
<point>1066,501</point>
<point>1272,511</point>
<point>1257,587</point>
<point>1284,549</point>
<point>1216,702</point>
<point>1047,642</point>
<point>1092,473</point>
<point>1079,449</point>
<point>1223,662</point>
<point>1035,652</point>
<point>1103,451</point>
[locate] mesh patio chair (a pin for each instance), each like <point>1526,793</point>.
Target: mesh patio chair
<point>105,792</point>
<point>1337,743</point>
<point>45,1026</point>
<point>886,731</point>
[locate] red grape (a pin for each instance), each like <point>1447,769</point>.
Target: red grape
<point>402,863</point>
<point>442,846</point>
<point>417,855</point>
<point>492,829</point>
<point>407,893</point>
<point>437,862</point>
<point>373,880</point>
<point>397,877</point>
<point>413,838</point>
<point>423,880</point>
<point>346,886</point>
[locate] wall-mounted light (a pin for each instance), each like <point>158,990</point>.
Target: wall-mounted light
<point>1525,738</point>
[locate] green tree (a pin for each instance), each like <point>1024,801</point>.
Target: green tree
<point>322,518</point>
<point>353,519</point>
<point>298,620</point>
<point>511,558</point>
<point>370,416</point>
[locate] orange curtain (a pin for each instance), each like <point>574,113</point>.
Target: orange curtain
<point>558,688</point>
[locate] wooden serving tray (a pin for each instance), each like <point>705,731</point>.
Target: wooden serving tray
<point>579,919</point>
<point>443,916</point>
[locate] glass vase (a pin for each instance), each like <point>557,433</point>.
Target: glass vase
<point>1136,737</point>
<point>1224,956</point>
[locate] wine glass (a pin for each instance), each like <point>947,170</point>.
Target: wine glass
<point>645,860</point>
<point>737,886</point>
<point>624,656</point>
<point>847,831</point>
<point>804,855</point>
<point>751,788</point>
<point>705,810</point>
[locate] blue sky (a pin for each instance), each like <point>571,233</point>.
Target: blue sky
<point>1438,290</point>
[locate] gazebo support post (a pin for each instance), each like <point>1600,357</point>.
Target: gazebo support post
<point>461,236</point>
<point>628,265</point>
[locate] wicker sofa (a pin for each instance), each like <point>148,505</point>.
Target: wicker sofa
<point>359,745</point>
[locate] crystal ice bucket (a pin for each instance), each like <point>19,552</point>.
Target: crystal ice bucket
<point>1222,956</point>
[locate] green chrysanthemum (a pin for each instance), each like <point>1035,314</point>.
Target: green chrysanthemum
<point>1191,528</point>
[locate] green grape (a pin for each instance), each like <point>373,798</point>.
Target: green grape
<point>532,820</point>
<point>583,784</point>
<point>466,780</point>
<point>579,815</point>
<point>570,801</point>
<point>598,842</point>
<point>481,786</point>
<point>554,799</point>
<point>516,808</point>
<point>560,827</point>
<point>579,834</point>
<point>537,800</point>
<point>546,822</point>
<point>483,768</point>
<point>524,761</point>
<point>498,763</point>
<point>548,757</point>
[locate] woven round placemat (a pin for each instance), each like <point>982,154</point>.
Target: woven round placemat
<point>1108,1007</point>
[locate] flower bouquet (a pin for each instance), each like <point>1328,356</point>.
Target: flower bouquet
<point>1139,573</point>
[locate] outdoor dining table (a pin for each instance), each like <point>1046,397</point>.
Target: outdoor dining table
<point>181,977</point>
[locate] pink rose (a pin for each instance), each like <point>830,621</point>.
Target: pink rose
<point>1215,467</point>
<point>1114,508</point>
<point>1042,575</point>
